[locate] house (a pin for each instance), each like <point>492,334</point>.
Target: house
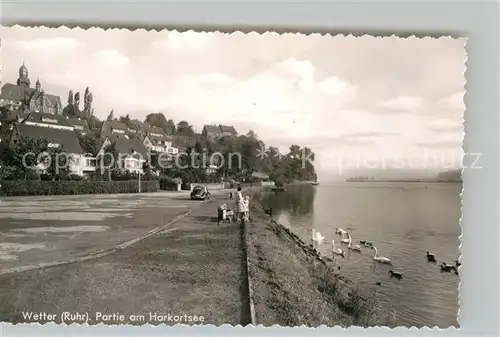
<point>211,131</point>
<point>216,131</point>
<point>80,125</point>
<point>182,143</point>
<point>226,130</point>
<point>114,129</point>
<point>132,154</point>
<point>56,137</point>
<point>24,98</point>
<point>155,140</point>
<point>45,120</point>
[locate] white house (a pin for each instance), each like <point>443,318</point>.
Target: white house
<point>57,137</point>
<point>132,154</point>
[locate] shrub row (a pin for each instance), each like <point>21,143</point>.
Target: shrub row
<point>33,187</point>
<point>167,183</point>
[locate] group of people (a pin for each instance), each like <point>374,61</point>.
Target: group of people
<point>242,204</point>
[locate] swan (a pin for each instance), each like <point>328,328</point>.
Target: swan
<point>380,259</point>
<point>337,251</point>
<point>356,248</point>
<point>431,257</point>
<point>396,274</point>
<point>317,237</point>
<point>340,231</point>
<point>344,239</point>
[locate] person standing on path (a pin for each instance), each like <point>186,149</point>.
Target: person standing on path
<point>239,203</point>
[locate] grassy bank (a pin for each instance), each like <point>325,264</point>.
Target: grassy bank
<point>293,285</point>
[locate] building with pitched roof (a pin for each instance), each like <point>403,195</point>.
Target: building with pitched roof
<point>22,97</point>
<point>80,125</point>
<point>216,131</point>
<point>227,130</point>
<point>114,129</point>
<point>132,154</point>
<point>56,137</point>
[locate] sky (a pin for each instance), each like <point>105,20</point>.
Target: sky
<point>356,102</point>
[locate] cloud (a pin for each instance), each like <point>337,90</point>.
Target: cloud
<point>190,41</point>
<point>446,125</point>
<point>403,104</point>
<point>335,94</point>
<point>55,45</point>
<point>455,101</point>
<point>447,141</point>
<point>112,58</point>
<point>213,78</point>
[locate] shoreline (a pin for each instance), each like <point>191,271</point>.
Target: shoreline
<point>292,284</point>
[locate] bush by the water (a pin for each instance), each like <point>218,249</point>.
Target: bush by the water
<point>34,187</point>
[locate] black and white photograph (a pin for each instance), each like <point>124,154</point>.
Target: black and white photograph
<point>167,177</point>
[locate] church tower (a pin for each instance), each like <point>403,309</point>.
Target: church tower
<point>23,80</point>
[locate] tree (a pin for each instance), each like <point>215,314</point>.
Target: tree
<point>108,160</point>
<point>111,115</point>
<point>170,128</point>
<point>70,98</point>
<point>184,129</point>
<point>157,119</point>
<point>89,144</point>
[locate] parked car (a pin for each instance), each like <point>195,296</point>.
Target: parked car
<point>200,193</point>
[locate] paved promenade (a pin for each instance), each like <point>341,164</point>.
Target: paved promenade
<point>193,267</point>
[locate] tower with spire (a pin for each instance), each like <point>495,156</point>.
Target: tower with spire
<point>22,97</point>
<point>23,80</point>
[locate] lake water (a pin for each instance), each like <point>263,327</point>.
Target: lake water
<point>403,221</point>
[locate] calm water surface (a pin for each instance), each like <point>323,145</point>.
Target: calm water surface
<point>403,221</point>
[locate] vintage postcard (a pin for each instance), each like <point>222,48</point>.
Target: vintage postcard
<point>206,178</point>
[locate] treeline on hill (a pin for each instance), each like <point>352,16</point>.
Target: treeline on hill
<point>236,158</point>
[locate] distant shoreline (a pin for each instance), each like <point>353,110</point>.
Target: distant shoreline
<point>406,181</point>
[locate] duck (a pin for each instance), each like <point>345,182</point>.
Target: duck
<point>355,248</point>
<point>337,251</point>
<point>431,257</point>
<point>445,267</point>
<point>366,243</point>
<point>396,274</point>
<point>380,259</point>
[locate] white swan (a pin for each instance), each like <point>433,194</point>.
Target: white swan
<point>344,239</point>
<point>317,237</point>
<point>380,259</point>
<point>356,248</point>
<point>337,251</point>
<point>340,231</point>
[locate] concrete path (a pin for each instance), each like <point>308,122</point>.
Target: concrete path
<point>48,229</point>
<point>194,269</point>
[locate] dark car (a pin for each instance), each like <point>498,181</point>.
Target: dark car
<point>200,193</point>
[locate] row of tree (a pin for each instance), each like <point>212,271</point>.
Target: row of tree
<point>235,158</point>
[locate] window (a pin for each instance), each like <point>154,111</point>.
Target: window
<point>49,120</point>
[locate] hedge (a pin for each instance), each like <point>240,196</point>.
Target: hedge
<point>167,183</point>
<point>35,187</point>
